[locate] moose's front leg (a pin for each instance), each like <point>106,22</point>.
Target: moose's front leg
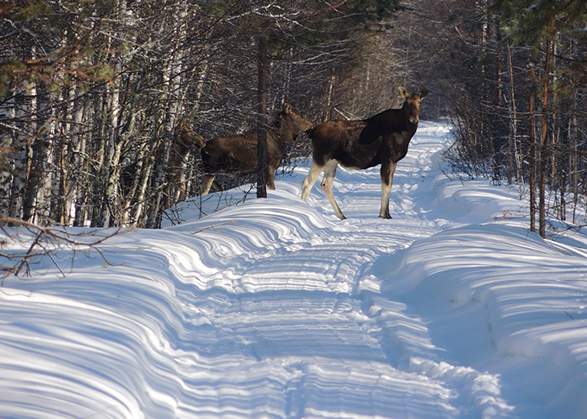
<point>270,178</point>
<point>387,171</point>
<point>207,184</point>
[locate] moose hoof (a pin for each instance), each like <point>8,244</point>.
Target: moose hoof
<point>340,215</point>
<point>385,216</point>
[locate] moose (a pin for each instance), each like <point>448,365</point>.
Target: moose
<point>236,155</point>
<point>382,139</point>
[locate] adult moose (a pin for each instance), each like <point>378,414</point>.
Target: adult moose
<point>236,155</point>
<point>382,139</point>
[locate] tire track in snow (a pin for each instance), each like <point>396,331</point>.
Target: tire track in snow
<point>336,312</point>
<point>274,312</point>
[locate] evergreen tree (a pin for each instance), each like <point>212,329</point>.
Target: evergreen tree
<point>530,22</point>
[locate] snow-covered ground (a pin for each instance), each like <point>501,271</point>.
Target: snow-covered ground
<point>276,309</point>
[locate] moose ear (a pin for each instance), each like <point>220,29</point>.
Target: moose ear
<point>403,92</point>
<point>287,108</point>
<point>423,92</point>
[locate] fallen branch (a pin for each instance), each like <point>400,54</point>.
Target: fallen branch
<point>45,241</point>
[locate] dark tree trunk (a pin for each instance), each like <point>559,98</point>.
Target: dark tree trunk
<point>532,174</point>
<point>262,118</point>
<point>543,144</point>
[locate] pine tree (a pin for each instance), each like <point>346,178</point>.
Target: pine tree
<point>542,25</point>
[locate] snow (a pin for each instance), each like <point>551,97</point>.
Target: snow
<point>274,308</point>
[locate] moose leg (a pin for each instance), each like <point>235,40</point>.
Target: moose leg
<point>206,184</point>
<point>310,179</point>
<point>387,171</point>
<point>327,181</point>
<point>270,176</point>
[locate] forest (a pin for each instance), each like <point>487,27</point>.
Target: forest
<point>94,94</point>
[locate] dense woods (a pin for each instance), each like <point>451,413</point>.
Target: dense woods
<point>518,71</point>
<point>94,95</point>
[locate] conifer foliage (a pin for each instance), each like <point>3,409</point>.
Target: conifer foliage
<point>521,111</point>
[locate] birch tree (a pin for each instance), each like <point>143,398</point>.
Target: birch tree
<point>91,93</point>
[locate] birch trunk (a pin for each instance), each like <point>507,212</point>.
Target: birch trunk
<point>112,157</point>
<point>173,100</point>
<point>8,144</point>
<point>97,172</point>
<point>115,143</point>
<point>37,199</point>
<point>514,149</point>
<point>13,180</point>
<point>79,185</point>
<point>137,215</point>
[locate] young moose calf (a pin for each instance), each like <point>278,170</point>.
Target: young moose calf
<point>236,155</point>
<point>382,139</point>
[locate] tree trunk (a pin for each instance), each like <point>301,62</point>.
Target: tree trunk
<point>38,185</point>
<point>81,185</point>
<point>574,175</point>
<point>532,174</point>
<point>13,179</point>
<point>98,168</point>
<point>262,118</point>
<point>514,149</point>
<point>137,215</point>
<point>543,143</point>
<point>173,83</point>
<point>330,99</point>
<point>112,158</point>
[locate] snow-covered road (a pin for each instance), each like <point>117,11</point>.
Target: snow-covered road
<point>276,309</point>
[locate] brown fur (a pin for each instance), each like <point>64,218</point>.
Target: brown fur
<point>382,139</point>
<point>236,155</point>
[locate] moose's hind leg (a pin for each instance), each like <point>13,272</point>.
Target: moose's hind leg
<point>327,181</point>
